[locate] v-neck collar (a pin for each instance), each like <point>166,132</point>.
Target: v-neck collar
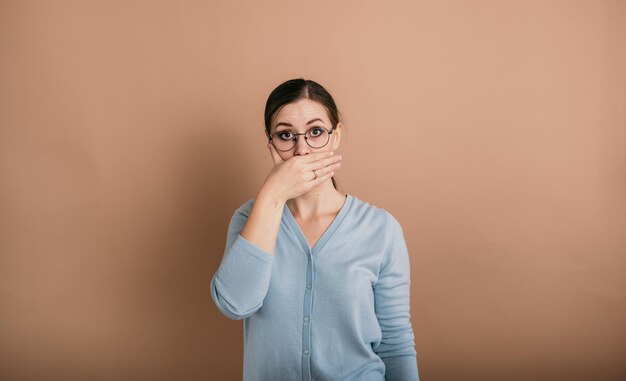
<point>326,235</point>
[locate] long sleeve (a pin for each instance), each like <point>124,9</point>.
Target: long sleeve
<point>241,282</point>
<point>391,295</point>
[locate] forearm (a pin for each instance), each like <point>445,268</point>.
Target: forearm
<point>241,282</point>
<point>261,228</point>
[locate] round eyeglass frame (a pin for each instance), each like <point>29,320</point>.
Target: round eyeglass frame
<point>295,138</point>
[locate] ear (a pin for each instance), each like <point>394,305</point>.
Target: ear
<point>337,133</point>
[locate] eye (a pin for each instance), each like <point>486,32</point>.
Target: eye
<point>316,131</point>
<point>286,135</point>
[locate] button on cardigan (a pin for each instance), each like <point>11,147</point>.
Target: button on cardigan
<point>337,311</point>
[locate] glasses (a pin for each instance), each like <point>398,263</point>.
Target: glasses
<point>315,137</point>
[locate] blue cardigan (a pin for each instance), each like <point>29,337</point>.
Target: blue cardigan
<point>338,311</point>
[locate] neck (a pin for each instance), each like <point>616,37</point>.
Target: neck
<point>321,200</point>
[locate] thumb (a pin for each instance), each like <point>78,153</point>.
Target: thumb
<point>275,156</point>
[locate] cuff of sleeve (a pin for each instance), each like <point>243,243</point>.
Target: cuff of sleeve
<point>401,368</point>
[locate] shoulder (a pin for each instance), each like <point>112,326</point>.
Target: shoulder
<point>244,209</point>
<point>376,220</point>
<point>364,210</point>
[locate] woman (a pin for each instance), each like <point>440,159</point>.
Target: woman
<point>320,278</point>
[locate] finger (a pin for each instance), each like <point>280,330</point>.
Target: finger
<point>321,178</point>
<point>316,156</point>
<point>333,161</point>
<point>275,156</point>
<point>323,171</point>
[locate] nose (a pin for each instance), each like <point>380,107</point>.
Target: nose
<point>301,148</point>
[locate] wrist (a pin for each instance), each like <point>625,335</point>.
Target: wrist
<point>267,196</point>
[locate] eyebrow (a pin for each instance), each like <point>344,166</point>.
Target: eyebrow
<point>290,125</point>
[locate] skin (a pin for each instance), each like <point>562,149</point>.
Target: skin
<point>313,202</point>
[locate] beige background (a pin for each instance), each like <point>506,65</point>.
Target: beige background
<point>495,132</point>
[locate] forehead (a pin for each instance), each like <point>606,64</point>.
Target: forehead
<point>300,112</point>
